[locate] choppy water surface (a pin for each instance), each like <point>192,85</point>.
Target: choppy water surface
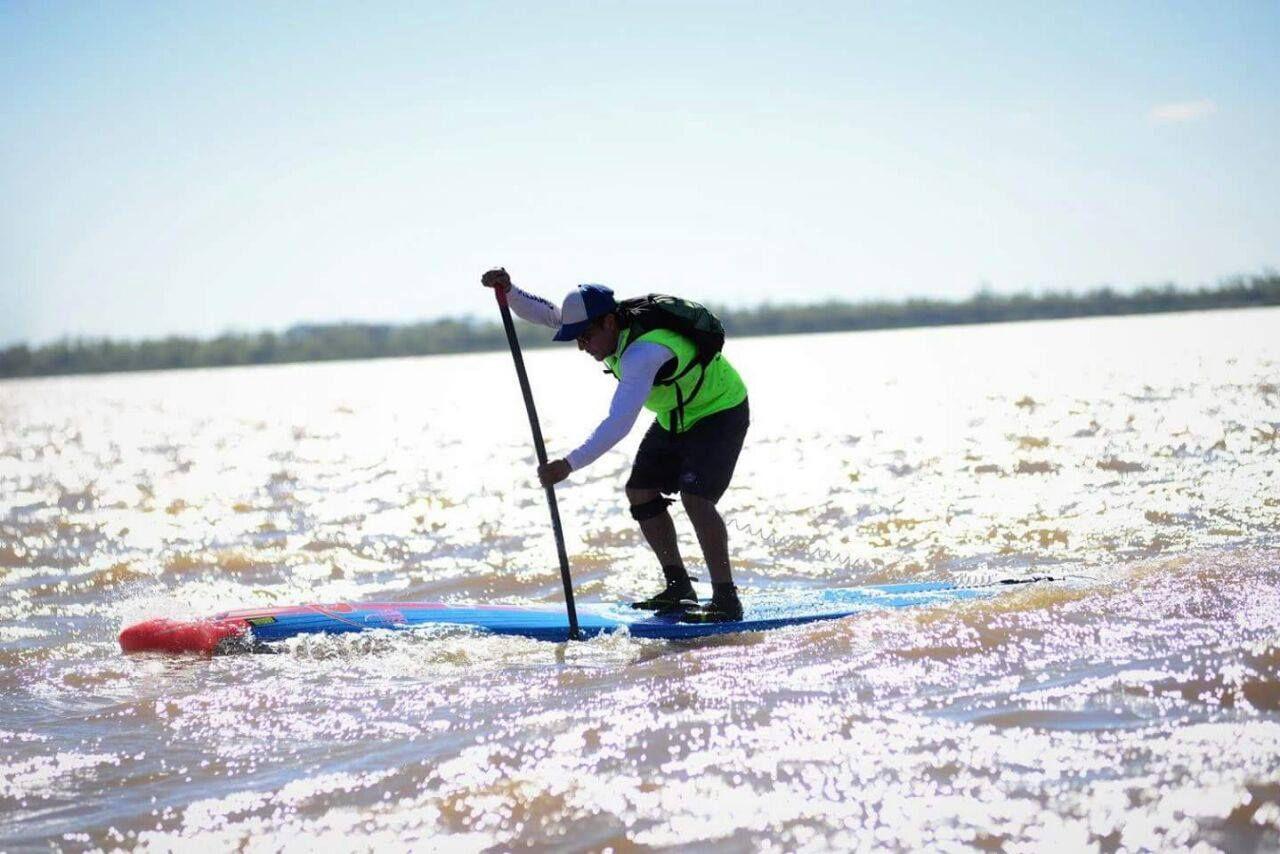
<point>1137,710</point>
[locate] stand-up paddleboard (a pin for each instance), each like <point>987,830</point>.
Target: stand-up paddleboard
<point>251,628</point>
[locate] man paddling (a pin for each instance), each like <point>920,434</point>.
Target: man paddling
<point>665,364</point>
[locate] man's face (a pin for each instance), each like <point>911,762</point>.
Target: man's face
<point>600,338</point>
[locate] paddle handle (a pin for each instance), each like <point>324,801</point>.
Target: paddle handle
<point>540,449</point>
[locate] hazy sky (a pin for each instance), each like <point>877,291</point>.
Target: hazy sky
<point>197,167</point>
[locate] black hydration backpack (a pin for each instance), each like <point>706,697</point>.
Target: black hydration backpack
<point>681,316</point>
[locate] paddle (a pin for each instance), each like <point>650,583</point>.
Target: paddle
<point>541,451</point>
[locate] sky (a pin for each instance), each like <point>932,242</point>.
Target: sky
<point>193,167</point>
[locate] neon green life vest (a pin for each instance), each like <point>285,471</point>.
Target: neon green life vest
<point>690,393</point>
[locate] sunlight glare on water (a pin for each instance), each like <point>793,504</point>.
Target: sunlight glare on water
<point>1138,707</point>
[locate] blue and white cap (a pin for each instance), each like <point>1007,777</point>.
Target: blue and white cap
<point>582,306</point>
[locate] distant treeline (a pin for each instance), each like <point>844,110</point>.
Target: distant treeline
<point>320,342</point>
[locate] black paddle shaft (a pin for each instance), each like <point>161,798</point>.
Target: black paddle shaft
<point>541,450</point>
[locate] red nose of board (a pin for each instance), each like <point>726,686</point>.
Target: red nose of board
<point>200,636</point>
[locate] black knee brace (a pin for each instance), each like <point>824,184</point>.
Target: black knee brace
<point>649,509</point>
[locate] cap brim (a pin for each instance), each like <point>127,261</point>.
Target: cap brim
<point>571,331</point>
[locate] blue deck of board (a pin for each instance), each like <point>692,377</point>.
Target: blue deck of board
<point>762,611</point>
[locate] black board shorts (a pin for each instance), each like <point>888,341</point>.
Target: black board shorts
<point>699,461</point>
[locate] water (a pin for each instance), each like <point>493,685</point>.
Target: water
<point>1138,710</point>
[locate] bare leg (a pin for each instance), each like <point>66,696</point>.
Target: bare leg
<point>712,535</point>
<point>659,531</point>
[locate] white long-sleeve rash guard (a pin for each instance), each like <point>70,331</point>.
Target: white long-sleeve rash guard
<point>640,364</point>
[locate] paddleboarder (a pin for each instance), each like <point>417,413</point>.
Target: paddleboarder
<point>664,353</point>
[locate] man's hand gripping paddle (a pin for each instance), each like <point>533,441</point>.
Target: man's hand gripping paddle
<point>500,281</point>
